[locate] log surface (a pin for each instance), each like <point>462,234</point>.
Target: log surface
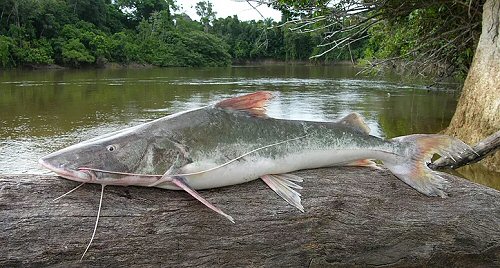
<point>353,217</point>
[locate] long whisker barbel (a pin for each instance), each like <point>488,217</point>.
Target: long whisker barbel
<point>96,222</point>
<point>70,191</point>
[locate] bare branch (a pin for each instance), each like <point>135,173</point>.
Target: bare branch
<point>337,46</point>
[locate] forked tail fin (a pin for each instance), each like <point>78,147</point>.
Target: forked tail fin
<point>417,153</point>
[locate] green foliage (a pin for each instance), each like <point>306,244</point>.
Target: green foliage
<point>206,13</point>
<point>5,48</point>
<point>163,44</point>
<point>93,32</point>
<point>298,46</point>
<point>124,48</point>
<point>33,52</point>
<point>401,38</point>
<point>82,43</point>
<point>205,50</point>
<point>250,40</point>
<point>183,23</point>
<point>143,9</point>
<point>75,53</point>
<point>427,36</point>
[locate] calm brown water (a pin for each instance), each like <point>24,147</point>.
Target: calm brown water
<point>43,111</point>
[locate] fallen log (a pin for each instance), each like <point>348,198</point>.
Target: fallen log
<point>353,217</point>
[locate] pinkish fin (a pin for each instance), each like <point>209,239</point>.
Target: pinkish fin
<point>411,167</point>
<point>181,183</point>
<point>363,163</point>
<point>253,103</point>
<point>356,122</point>
<point>283,185</point>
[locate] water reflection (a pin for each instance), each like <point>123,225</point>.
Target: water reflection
<point>42,111</point>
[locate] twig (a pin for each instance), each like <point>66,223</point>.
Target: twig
<point>485,147</point>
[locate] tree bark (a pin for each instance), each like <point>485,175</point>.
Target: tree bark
<point>478,110</point>
<point>354,217</point>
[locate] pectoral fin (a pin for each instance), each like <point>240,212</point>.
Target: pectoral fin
<point>181,183</point>
<point>284,185</point>
<point>167,177</point>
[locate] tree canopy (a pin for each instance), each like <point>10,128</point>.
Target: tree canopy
<point>94,32</point>
<point>428,35</point>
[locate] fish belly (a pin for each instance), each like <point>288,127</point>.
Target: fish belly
<point>252,167</point>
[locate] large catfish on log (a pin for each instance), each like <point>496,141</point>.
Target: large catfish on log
<point>234,142</point>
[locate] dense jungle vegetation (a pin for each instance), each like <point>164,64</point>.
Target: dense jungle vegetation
<point>94,32</point>
<point>80,33</point>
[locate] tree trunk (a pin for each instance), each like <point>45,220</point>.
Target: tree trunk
<point>478,111</point>
<point>353,217</point>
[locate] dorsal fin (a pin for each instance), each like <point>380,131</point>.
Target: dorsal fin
<point>355,121</point>
<point>252,103</point>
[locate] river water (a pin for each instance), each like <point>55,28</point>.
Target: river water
<point>45,110</point>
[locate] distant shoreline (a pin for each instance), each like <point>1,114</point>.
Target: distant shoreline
<point>134,65</point>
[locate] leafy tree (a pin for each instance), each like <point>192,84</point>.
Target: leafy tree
<point>75,53</point>
<point>93,32</point>
<point>17,12</point>
<point>250,40</point>
<point>95,43</point>
<point>93,11</point>
<point>205,50</point>
<point>49,18</point>
<point>124,48</point>
<point>183,23</point>
<point>6,44</point>
<point>429,34</point>
<point>297,46</point>
<point>165,45</point>
<point>206,13</point>
<point>143,9</point>
<point>34,52</point>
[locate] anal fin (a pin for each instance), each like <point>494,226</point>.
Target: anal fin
<point>181,183</point>
<point>363,163</point>
<point>284,185</point>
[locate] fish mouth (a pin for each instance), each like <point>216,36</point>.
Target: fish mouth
<point>70,174</point>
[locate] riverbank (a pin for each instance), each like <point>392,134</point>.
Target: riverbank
<point>136,65</point>
<point>111,65</point>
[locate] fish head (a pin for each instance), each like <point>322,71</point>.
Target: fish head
<point>87,161</point>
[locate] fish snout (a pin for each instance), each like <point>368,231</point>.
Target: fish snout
<point>62,170</point>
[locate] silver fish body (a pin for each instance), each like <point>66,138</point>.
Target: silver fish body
<point>226,135</point>
<point>197,145</point>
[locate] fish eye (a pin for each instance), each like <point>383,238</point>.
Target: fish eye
<point>111,148</point>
